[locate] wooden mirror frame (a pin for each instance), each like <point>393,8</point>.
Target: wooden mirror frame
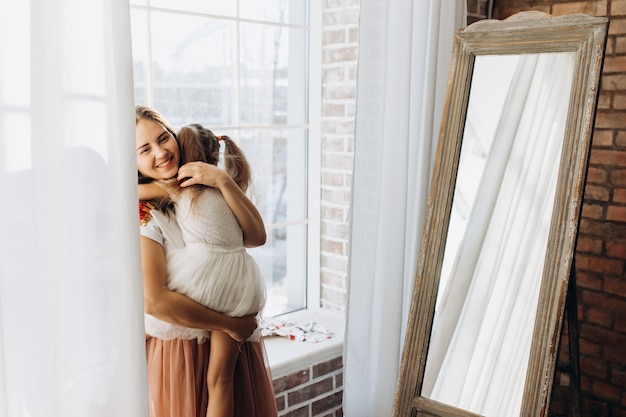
<point>523,33</point>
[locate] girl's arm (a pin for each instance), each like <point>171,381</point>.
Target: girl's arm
<point>246,213</point>
<point>177,309</point>
<point>151,191</point>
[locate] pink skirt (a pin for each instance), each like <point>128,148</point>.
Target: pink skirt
<point>177,379</point>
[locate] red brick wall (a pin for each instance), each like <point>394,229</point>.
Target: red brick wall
<point>315,390</point>
<point>601,250</point>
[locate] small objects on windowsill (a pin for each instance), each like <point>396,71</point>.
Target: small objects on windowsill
<point>301,332</point>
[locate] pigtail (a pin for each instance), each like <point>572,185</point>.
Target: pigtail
<point>236,164</point>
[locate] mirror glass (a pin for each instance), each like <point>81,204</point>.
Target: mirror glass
<point>498,231</point>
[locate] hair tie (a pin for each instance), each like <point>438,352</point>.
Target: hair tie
<point>219,138</point>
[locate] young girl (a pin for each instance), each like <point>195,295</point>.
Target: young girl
<point>213,268</point>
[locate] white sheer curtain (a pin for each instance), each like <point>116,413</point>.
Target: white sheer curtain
<point>71,322</point>
<point>485,315</point>
<point>404,54</point>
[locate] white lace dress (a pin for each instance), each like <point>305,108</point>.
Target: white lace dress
<point>213,268</point>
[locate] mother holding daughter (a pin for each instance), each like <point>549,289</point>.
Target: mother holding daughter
<point>184,327</point>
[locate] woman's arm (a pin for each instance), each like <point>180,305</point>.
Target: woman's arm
<point>177,309</point>
<point>246,213</point>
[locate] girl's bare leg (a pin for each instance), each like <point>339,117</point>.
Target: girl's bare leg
<point>220,376</point>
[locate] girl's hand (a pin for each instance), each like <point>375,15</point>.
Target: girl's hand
<point>244,210</point>
<point>201,173</point>
<point>242,327</point>
<point>151,191</point>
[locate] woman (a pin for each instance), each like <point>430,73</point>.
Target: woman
<point>177,365</point>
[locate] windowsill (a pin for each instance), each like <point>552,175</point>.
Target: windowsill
<point>286,356</point>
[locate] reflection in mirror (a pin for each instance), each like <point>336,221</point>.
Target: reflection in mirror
<point>498,233</point>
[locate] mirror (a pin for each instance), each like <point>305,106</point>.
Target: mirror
<point>502,219</point>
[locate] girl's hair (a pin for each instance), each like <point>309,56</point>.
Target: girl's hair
<point>197,143</point>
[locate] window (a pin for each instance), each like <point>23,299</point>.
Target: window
<point>242,69</point>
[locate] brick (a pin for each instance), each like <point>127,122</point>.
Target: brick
<point>334,295</point>
<point>334,36</point>
<point>612,120</point>
<point>331,76</point>
<point>327,403</point>
<point>342,16</point>
<point>618,177</point>
<point>593,407</point>
<point>616,249</point>
<point>327,367</point>
<point>618,7</point>
<point>605,300</point>
<point>280,402</point>
<point>339,92</point>
<point>596,193</point>
<point>300,412</point>
<point>595,8</point>
<point>620,45</point>
<point>341,54</point>
<point>604,100</point>
<point>616,214</point>
<point>339,380</point>
<point>589,245</point>
<point>620,323</point>
<point>620,140</point>
<point>618,377</point>
<point>615,286</point>
<point>593,211</point>
<point>619,101</point>
<point>353,35</point>
<point>619,195</point>
<point>599,264</point>
<point>602,138</point>
<point>588,281</point>
<point>588,347</point>
<point>333,280</point>
<point>608,338</point>
<point>506,10</point>
<point>605,391</point>
<point>610,82</point>
<point>593,367</point>
<point>609,157</point>
<point>614,64</point>
<point>599,316</point>
<point>597,175</point>
<point>610,230</point>
<point>291,381</point>
<point>333,262</point>
<point>617,26</point>
<point>310,391</point>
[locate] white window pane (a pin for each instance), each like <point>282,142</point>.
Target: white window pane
<point>193,68</point>
<point>282,261</point>
<point>272,84</point>
<point>280,174</point>
<point>141,46</point>
<point>280,11</point>
<point>215,7</point>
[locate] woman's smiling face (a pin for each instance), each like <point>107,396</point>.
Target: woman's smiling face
<point>158,154</point>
